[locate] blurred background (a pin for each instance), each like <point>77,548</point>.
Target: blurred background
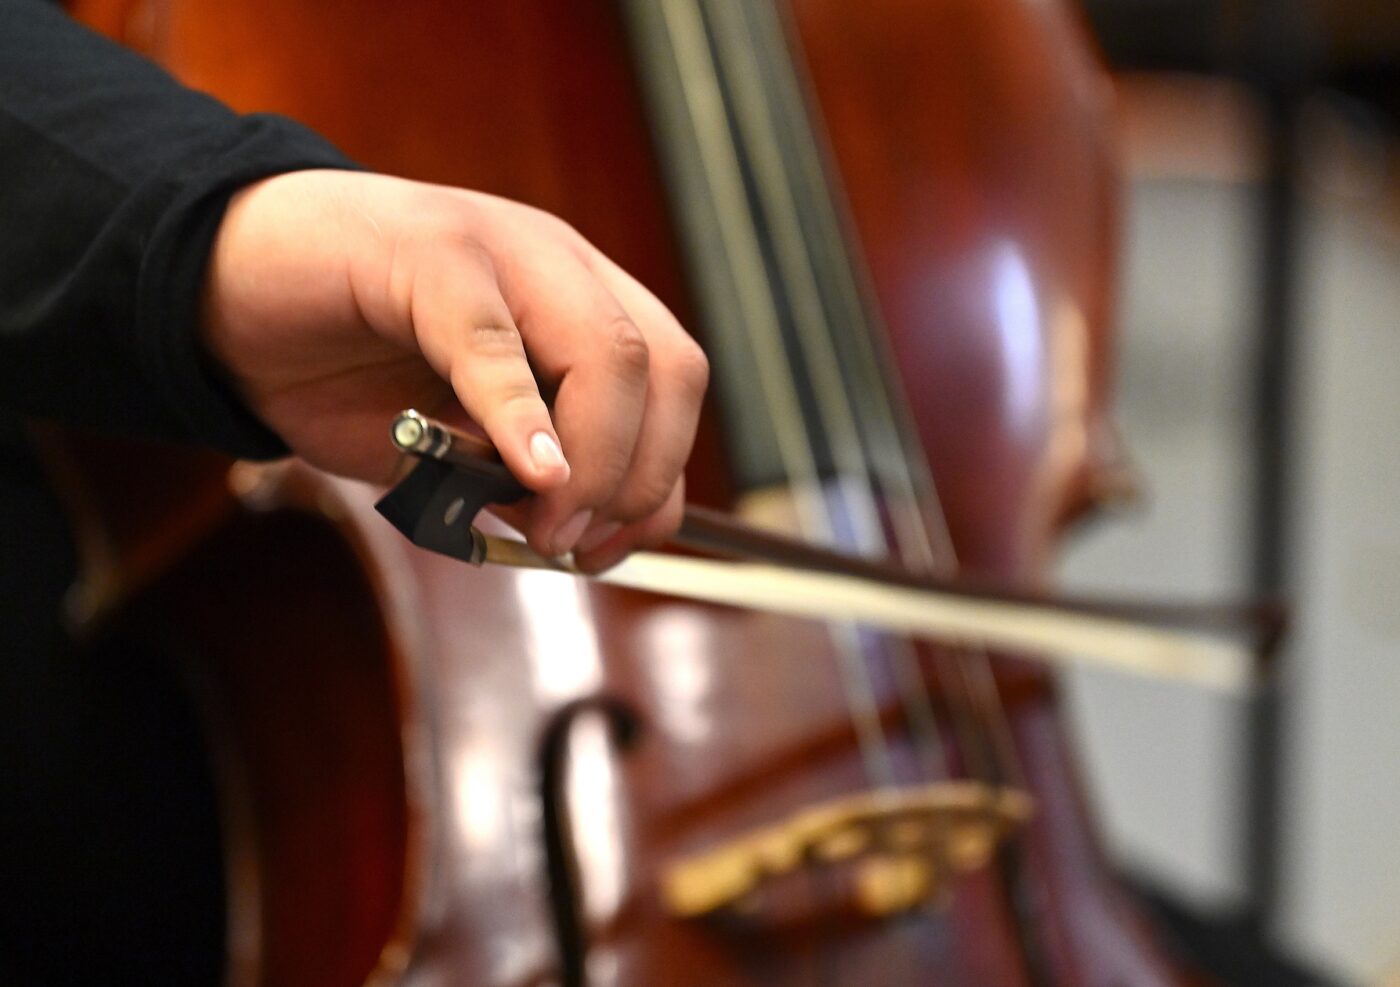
<point>1259,390</point>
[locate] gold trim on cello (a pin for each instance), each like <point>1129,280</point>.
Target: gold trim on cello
<point>903,846</point>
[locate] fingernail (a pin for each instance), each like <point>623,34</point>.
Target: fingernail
<point>545,452</point>
<point>569,532</point>
<point>597,536</point>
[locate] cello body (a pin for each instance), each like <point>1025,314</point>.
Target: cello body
<point>380,719</point>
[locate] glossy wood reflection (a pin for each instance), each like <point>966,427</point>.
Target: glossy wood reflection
<point>990,232</point>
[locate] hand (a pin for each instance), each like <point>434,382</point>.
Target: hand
<point>338,299</point>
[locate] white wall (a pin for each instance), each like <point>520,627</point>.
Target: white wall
<point>1165,757</point>
<point>1166,762</point>
<point>1344,885</point>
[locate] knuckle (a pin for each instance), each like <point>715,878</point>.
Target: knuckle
<point>493,397</point>
<point>612,473</point>
<point>517,399</point>
<point>494,338</point>
<point>597,480</point>
<point>566,231</point>
<point>642,498</point>
<point>692,368</point>
<point>628,346</point>
<point>672,515</point>
<point>552,225</point>
<point>508,405</point>
<point>667,523</point>
<point>455,228</point>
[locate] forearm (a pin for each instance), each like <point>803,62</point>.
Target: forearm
<point>113,182</point>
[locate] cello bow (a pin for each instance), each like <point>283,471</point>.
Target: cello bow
<point>728,562</point>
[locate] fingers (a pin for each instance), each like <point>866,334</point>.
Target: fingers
<point>406,286</point>
<point>467,333</point>
<point>599,406</point>
<point>543,307</point>
<point>628,398</point>
<point>679,374</point>
<point>651,532</point>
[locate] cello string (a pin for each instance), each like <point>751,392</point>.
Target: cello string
<point>919,520</point>
<point>854,489</point>
<point>887,464</point>
<point>721,169</point>
<point>820,349</point>
<point>832,402</point>
<point>778,367</point>
<point>974,679</point>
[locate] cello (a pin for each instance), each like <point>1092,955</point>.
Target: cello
<point>408,751</point>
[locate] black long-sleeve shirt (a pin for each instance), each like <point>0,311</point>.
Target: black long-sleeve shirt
<point>113,179</point>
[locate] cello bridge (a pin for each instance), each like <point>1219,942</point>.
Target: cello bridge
<point>901,847</point>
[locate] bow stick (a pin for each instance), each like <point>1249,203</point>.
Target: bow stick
<point>1222,647</point>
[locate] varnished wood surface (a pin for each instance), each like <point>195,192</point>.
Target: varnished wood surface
<point>987,208</point>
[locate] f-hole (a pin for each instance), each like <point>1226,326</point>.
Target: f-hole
<point>561,861</point>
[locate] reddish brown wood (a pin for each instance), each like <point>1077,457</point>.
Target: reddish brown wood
<point>378,752</point>
<point>985,198</point>
<point>976,145</point>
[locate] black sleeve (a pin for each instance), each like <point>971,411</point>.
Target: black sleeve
<point>113,180</point>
